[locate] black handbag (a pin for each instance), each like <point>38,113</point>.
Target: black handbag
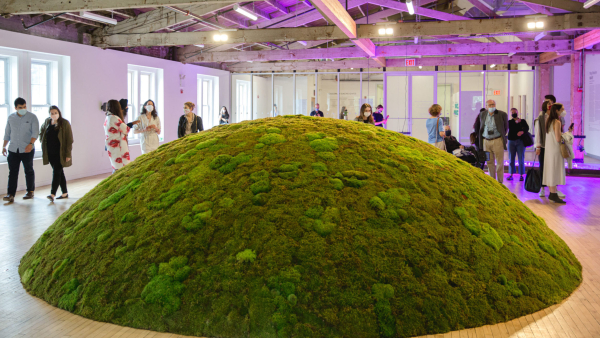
<point>527,139</point>
<point>533,181</point>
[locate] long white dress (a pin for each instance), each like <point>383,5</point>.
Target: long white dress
<point>554,163</point>
<point>148,139</point>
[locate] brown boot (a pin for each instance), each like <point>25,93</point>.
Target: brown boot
<point>28,195</point>
<point>9,198</point>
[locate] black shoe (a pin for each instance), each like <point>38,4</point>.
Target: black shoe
<point>28,195</point>
<point>50,198</point>
<point>521,178</point>
<point>61,197</point>
<point>509,178</point>
<point>554,198</point>
<point>9,198</point>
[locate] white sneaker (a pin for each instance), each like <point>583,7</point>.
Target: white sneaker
<point>560,194</point>
<point>542,192</point>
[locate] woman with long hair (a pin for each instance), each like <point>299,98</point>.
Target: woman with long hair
<point>116,135</point>
<point>435,127</point>
<point>554,163</point>
<point>366,114</point>
<point>56,137</point>
<point>223,116</point>
<point>189,122</point>
<point>149,127</point>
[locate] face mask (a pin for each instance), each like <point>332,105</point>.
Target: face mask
<point>448,132</point>
<point>514,115</point>
<point>367,114</point>
<point>186,111</point>
<point>149,108</point>
<point>563,114</point>
<point>22,112</point>
<point>491,109</point>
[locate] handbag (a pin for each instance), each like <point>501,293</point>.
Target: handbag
<point>441,144</point>
<point>533,180</point>
<point>527,139</point>
<point>564,149</point>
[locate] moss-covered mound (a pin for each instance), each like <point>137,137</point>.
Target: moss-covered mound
<point>300,227</point>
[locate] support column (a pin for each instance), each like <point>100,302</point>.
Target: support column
<point>577,103</point>
<point>544,86</point>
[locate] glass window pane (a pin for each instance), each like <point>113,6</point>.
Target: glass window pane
<point>204,92</point>
<point>496,85</point>
<point>2,93</point>
<point>471,101</point>
<point>350,94</point>
<point>422,99</point>
<point>3,117</point>
<point>447,97</point>
<point>2,82</point>
<point>397,103</point>
<point>39,83</point>
<point>283,95</point>
<point>240,91</point>
<point>328,95</point>
<point>521,96</point>
<point>144,88</point>
<point>262,103</point>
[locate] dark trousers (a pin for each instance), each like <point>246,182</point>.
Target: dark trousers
<point>542,151</point>
<point>58,174</point>
<point>14,162</point>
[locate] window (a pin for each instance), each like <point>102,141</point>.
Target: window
<point>41,79</point>
<point>208,98</point>
<point>243,100</point>
<point>143,84</point>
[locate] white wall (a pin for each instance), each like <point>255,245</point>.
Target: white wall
<point>591,110</point>
<point>562,88</point>
<point>96,76</point>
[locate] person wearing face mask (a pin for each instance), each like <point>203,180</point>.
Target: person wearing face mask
<point>516,128</point>
<point>365,115</point>
<point>148,128</point>
<point>554,163</point>
<point>378,117</point>
<point>317,112</point>
<point>22,129</point>
<point>551,99</point>
<point>189,123</point>
<point>435,127</point>
<point>492,133</point>
<point>223,116</point>
<point>57,142</point>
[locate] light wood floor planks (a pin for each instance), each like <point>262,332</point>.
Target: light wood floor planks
<point>578,223</point>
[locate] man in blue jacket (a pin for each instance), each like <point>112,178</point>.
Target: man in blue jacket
<point>22,129</point>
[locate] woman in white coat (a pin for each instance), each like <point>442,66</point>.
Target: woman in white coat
<point>148,128</point>
<point>554,163</point>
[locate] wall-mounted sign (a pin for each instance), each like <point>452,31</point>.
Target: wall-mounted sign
<point>409,62</point>
<point>496,92</point>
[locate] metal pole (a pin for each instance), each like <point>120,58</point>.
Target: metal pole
<point>41,22</point>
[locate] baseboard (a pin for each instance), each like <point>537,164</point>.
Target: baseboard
<point>595,157</point>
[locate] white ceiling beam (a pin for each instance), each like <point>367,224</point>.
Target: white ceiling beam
<point>587,40</point>
<point>483,7</point>
<point>567,5</point>
<point>20,7</point>
<point>538,9</point>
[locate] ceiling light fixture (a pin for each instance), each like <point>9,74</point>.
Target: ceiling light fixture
<point>590,3</point>
<point>381,31</point>
<point>201,46</point>
<point>245,12</point>
<point>411,9</point>
<point>493,65</point>
<point>420,67</point>
<point>539,24</point>
<point>385,31</point>
<point>531,25</point>
<point>97,17</point>
<point>220,37</point>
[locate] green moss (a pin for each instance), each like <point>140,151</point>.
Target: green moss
<point>246,256</point>
<point>502,279</point>
<point>259,145</point>
<point>269,139</point>
<point>401,241</point>
<point>273,130</point>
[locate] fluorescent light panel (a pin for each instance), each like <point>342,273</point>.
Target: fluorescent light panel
<point>411,9</point>
<point>98,18</point>
<point>245,12</point>
<point>590,3</point>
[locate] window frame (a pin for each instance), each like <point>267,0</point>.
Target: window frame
<point>135,104</point>
<point>240,99</point>
<point>210,118</point>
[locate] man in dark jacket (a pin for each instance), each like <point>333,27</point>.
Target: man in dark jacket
<point>492,138</point>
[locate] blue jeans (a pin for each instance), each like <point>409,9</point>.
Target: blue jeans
<point>516,148</point>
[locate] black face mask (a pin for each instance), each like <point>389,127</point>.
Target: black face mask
<point>514,115</point>
<point>448,132</point>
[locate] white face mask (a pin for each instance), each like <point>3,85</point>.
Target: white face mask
<point>563,114</point>
<point>149,108</point>
<point>367,114</point>
<point>186,111</point>
<point>22,112</point>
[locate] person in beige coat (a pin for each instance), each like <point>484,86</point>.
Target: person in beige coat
<point>56,138</point>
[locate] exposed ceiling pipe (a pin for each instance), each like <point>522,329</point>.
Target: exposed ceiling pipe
<point>195,16</point>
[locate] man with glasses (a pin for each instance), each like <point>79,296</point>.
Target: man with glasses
<point>492,138</point>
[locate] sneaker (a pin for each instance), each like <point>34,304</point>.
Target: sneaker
<point>9,198</point>
<point>521,178</point>
<point>542,192</point>
<point>509,178</point>
<point>560,194</point>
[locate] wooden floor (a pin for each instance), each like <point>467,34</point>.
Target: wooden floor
<point>578,223</point>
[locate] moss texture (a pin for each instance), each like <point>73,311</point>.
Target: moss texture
<point>300,227</point>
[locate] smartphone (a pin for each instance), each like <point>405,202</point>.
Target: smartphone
<point>571,126</point>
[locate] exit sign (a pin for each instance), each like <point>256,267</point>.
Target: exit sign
<point>409,62</point>
<point>496,92</point>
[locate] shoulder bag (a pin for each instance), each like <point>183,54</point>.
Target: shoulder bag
<point>533,181</point>
<point>441,144</point>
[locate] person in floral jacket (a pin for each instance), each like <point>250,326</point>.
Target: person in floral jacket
<point>116,135</point>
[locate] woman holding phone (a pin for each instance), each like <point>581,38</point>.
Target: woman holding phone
<point>148,128</point>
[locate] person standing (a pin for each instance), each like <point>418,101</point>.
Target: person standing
<point>189,123</point>
<point>116,135</point>
<point>56,138</point>
<point>492,131</point>
<point>22,128</point>
<point>344,113</point>
<point>317,112</point>
<point>516,128</point>
<point>378,117</point>
<point>365,115</point>
<point>554,163</point>
<point>149,127</point>
<point>435,127</point>
<point>551,99</point>
<point>540,143</point>
<point>223,116</point>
